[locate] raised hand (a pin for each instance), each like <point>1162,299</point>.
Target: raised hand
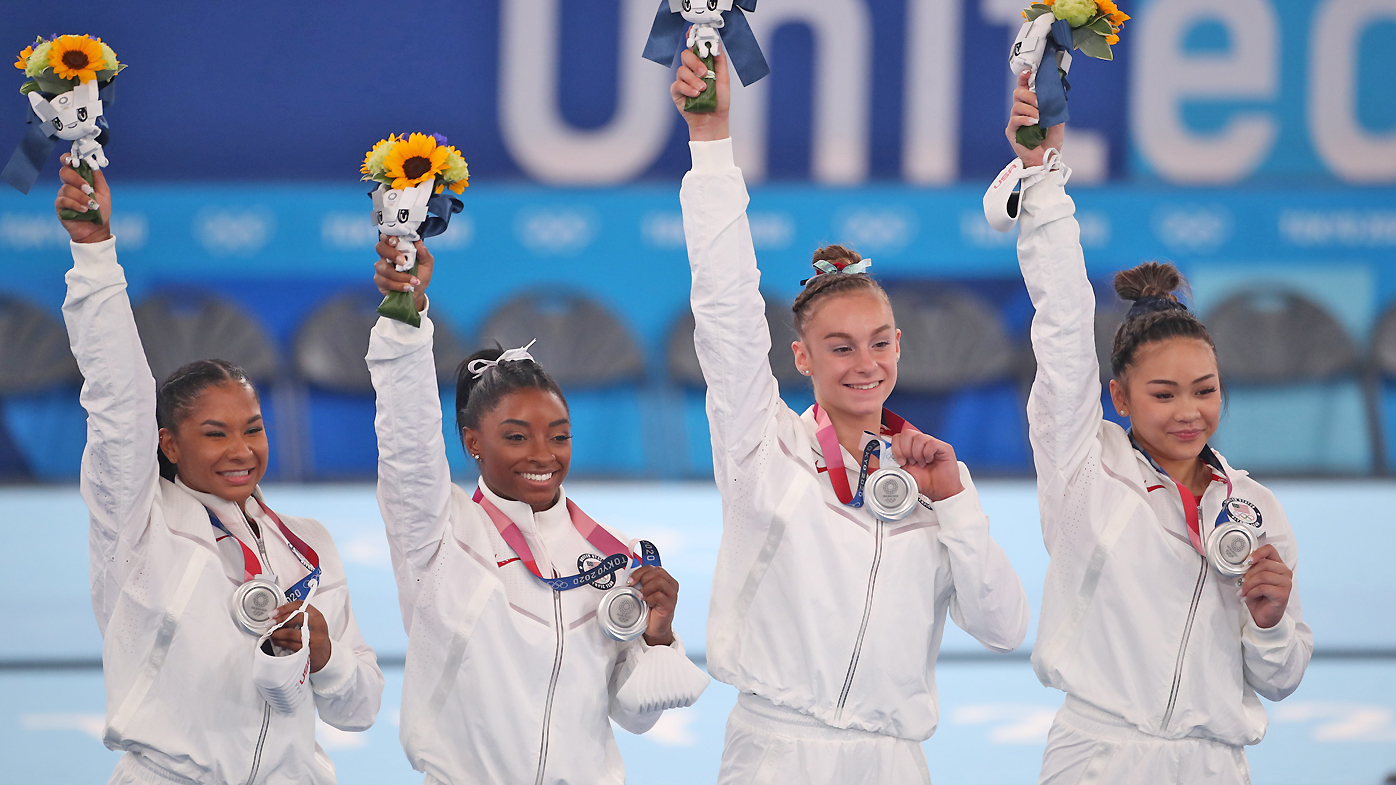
<point>689,83</point>
<point>930,461</point>
<point>75,194</point>
<point>1266,586</point>
<point>1025,113</point>
<point>662,595</point>
<point>387,277</point>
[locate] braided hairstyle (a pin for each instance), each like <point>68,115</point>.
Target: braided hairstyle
<point>823,285</point>
<point>477,397</point>
<point>1157,314</point>
<point>181,389</point>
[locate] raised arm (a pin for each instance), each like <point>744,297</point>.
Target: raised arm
<point>119,469</point>
<point>414,479</point>
<point>731,335</point>
<point>1064,412</point>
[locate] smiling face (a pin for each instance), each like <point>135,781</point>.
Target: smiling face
<point>700,11</point>
<point>1172,396</point>
<point>525,446</point>
<point>71,115</point>
<point>220,445</point>
<point>849,349</point>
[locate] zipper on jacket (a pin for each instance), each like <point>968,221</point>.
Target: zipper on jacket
<point>1183,647</point>
<point>552,687</point>
<point>867,613</point>
<point>261,740</point>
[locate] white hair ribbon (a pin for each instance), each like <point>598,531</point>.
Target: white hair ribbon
<point>477,368</point>
<point>828,267</point>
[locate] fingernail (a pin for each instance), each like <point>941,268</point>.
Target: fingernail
<point>87,189</point>
<point>416,282</point>
<point>392,241</point>
<point>401,259</point>
<point>91,204</point>
<point>409,288</point>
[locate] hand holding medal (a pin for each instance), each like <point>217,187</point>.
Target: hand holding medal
<point>288,636</point>
<point>1266,586</point>
<point>69,78</point>
<point>661,595</point>
<point>930,461</point>
<point>409,203</point>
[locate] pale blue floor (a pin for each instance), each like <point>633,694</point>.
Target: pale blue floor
<point>1338,728</point>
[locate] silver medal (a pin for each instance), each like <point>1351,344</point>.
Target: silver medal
<point>623,613</point>
<point>1229,547</point>
<point>891,493</point>
<point>254,603</point>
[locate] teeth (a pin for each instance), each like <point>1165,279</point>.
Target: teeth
<point>537,477</point>
<point>239,473</point>
<point>867,386</point>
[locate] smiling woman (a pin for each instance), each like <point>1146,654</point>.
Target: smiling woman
<point>211,429</point>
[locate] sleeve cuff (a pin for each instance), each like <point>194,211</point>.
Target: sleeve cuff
<point>87,256</point>
<point>337,671</point>
<point>961,508</point>
<point>677,645</point>
<point>710,157</point>
<point>403,338</point>
<point>1271,638</point>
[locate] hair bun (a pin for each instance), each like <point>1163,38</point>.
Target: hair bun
<point>1150,279</point>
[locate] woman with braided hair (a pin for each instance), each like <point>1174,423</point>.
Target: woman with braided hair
<point>848,535</point>
<point>1169,603</point>
<point>527,631</point>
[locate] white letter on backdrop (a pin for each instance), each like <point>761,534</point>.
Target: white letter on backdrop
<point>842,83</point>
<point>1351,151</point>
<point>931,127</point>
<point>1164,77</point>
<point>539,138</point>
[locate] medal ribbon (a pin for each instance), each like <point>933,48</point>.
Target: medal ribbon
<point>252,566</point>
<point>833,453</point>
<point>594,533</point>
<point>1192,504</point>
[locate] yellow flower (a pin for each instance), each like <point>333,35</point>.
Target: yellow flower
<point>76,56</point>
<point>23,61</point>
<point>415,160</point>
<point>1112,39</point>
<point>373,161</point>
<point>1112,12</point>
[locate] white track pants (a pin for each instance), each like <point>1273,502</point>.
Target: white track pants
<point>133,769</point>
<point>1087,746</point>
<point>770,745</point>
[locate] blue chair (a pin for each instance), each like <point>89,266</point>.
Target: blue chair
<point>598,363</point>
<point>338,400</point>
<point>43,428</point>
<point>1286,360</point>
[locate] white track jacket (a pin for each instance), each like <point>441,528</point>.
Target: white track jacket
<point>1134,621</point>
<point>178,671</point>
<point>507,681</point>
<point>817,606</point>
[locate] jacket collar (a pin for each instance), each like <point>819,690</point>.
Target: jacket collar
<point>812,430</point>
<point>228,513</point>
<point>534,526</point>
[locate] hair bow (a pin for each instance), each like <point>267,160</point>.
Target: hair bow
<point>477,368</point>
<point>826,267</point>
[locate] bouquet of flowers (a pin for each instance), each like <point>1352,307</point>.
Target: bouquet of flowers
<point>1054,28</point>
<point>409,202</point>
<point>69,77</point>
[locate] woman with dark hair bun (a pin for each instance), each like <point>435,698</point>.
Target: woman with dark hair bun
<point>528,631</point>
<point>848,535</point>
<point>1169,603</point>
<point>226,628</point>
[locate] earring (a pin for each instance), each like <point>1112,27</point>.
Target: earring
<point>476,457</point>
<point>805,373</point>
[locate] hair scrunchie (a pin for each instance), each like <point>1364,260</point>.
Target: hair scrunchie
<point>1153,303</point>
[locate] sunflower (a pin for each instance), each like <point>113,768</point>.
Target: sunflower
<point>76,56</point>
<point>1112,12</point>
<point>23,61</point>
<point>415,160</point>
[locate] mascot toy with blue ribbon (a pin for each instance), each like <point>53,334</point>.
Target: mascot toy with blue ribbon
<point>1051,31</point>
<point>711,20</point>
<point>413,173</point>
<point>69,79</point>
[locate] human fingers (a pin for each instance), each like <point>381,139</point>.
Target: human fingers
<point>424,257</point>
<point>387,248</point>
<point>70,198</point>
<point>70,176</point>
<point>1023,79</point>
<point>1025,96</point>
<point>99,183</point>
<point>283,611</point>
<point>287,638</point>
<point>1267,553</point>
<point>1025,110</point>
<point>388,278</point>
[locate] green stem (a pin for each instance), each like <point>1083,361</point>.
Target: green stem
<point>94,215</point>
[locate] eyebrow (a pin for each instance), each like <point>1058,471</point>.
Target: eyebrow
<point>555,423</point>
<point>848,337</point>
<point>526,423</point>
<point>1172,383</point>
